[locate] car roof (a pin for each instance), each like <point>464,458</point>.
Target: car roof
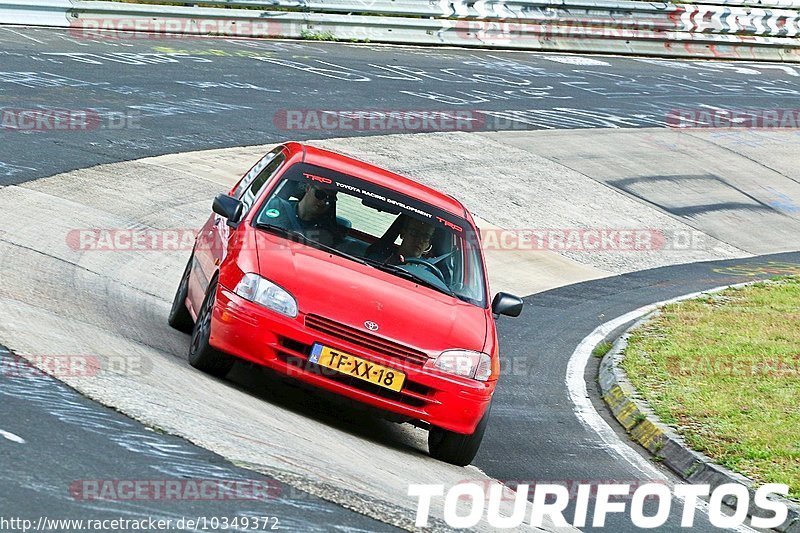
<point>380,176</point>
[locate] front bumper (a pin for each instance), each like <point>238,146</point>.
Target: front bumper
<point>253,333</point>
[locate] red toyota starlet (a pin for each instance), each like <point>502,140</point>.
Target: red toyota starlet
<point>352,279</point>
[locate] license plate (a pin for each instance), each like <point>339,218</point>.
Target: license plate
<point>357,367</point>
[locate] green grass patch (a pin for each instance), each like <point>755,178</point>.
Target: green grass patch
<point>313,35</point>
<point>724,370</point>
<point>602,349</point>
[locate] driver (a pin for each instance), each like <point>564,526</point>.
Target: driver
<point>415,241</point>
<point>313,215</point>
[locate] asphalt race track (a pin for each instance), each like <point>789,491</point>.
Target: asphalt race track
<point>72,442</point>
<point>559,448</point>
<point>179,95</point>
<point>190,94</point>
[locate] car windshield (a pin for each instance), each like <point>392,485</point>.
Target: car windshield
<point>371,224</point>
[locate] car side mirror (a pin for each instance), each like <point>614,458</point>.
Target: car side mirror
<point>507,304</point>
<point>228,207</point>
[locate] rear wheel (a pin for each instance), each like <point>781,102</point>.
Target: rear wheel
<point>179,317</point>
<point>456,448</point>
<point>202,355</point>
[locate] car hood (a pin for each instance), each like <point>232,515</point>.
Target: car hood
<point>352,293</point>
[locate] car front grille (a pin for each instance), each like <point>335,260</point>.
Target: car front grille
<point>366,340</point>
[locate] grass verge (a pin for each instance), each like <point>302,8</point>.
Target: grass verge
<point>602,349</point>
<point>724,370</point>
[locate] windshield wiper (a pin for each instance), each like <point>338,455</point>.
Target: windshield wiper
<point>305,240</point>
<point>402,272</point>
<point>280,230</point>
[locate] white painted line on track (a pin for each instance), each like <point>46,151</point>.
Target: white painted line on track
<point>577,60</point>
<point>23,35</point>
<point>588,415</point>
<point>12,437</point>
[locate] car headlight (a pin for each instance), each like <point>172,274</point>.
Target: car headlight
<point>475,365</point>
<point>263,292</point>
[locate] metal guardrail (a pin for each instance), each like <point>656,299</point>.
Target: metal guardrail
<point>452,8</point>
<point>767,4</point>
<point>44,13</point>
<point>410,8</point>
<point>601,26</point>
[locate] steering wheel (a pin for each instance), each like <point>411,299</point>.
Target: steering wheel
<point>433,268</point>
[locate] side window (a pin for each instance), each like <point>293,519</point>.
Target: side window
<point>255,187</point>
<point>254,172</point>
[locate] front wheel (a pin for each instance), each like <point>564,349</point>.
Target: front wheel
<point>202,355</point>
<point>179,317</point>
<point>455,448</point>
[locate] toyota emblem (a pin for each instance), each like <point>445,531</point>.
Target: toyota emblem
<point>370,325</point>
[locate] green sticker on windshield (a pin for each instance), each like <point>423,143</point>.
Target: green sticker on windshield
<point>272,213</point>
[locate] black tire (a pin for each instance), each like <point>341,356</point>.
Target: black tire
<point>456,448</point>
<point>202,355</point>
<point>179,317</point>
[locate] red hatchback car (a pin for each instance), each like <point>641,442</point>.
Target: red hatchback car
<point>352,279</point>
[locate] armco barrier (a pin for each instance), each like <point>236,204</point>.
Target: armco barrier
<point>450,8</point>
<point>600,26</point>
<point>54,13</point>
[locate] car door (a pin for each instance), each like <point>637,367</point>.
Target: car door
<point>211,246</point>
